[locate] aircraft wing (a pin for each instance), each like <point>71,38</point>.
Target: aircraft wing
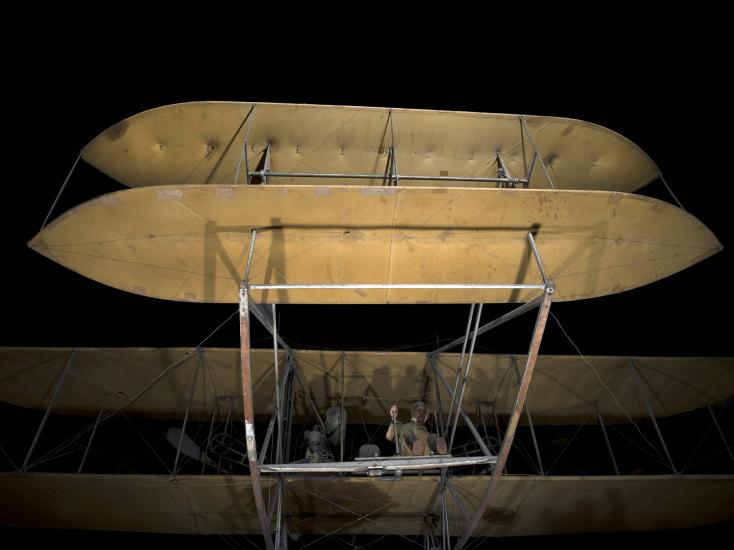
<point>524,505</point>
<point>565,389</point>
<point>202,143</point>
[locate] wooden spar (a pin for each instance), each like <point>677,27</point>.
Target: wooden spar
<point>249,414</point>
<point>514,418</point>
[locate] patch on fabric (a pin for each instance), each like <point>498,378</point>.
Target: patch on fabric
<point>168,194</point>
<point>225,193</point>
<point>379,191</point>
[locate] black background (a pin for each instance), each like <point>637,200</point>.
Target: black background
<point>668,95</point>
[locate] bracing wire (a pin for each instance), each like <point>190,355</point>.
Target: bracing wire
<point>58,195</point>
<point>176,363</point>
<point>608,390</point>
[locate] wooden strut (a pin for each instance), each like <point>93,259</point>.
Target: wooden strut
<point>491,489</point>
<point>249,413</point>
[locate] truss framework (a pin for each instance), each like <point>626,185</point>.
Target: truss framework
<point>504,178</point>
<point>378,466</point>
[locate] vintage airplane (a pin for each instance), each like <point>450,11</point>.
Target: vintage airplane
<point>257,204</point>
